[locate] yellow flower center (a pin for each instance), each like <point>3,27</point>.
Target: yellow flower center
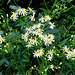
<point>46,18</point>
<point>32,17</point>
<point>24,12</point>
<point>25,37</point>
<point>1,38</point>
<point>42,36</point>
<point>42,18</point>
<point>39,29</point>
<point>66,49</point>
<point>40,50</point>
<point>14,14</point>
<point>52,24</point>
<point>69,55</point>
<point>14,17</point>
<point>51,35</point>
<point>47,41</point>
<point>26,33</point>
<point>35,53</point>
<point>31,40</point>
<point>51,53</point>
<point>23,8</point>
<point>39,23</point>
<point>29,29</point>
<point>18,9</point>
<point>35,41</point>
<point>72,53</point>
<point>39,33</point>
<point>30,9</point>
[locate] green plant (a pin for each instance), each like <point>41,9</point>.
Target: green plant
<point>38,45</point>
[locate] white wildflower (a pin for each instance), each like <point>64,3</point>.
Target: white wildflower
<point>52,25</point>
<point>50,57</point>
<point>1,39</point>
<point>47,17</point>
<point>66,49</point>
<point>42,19</point>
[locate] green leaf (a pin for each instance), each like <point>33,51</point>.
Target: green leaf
<point>68,72</point>
<point>8,1</point>
<point>1,73</point>
<point>23,52</point>
<point>52,31</point>
<point>19,24</point>
<point>25,56</point>
<point>24,60</point>
<point>64,41</point>
<point>13,7</point>
<point>7,62</point>
<point>1,32</point>
<point>43,9</point>
<point>18,73</point>
<point>2,61</point>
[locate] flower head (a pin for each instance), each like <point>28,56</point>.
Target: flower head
<point>42,19</point>
<point>68,55</point>
<point>38,53</point>
<point>1,39</point>
<point>50,57</point>
<point>66,49</point>
<point>73,52</point>
<point>14,16</point>
<point>47,17</point>
<point>52,25</point>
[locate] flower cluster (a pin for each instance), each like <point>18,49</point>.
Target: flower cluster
<point>50,55</point>
<point>38,53</point>
<point>45,19</point>
<point>22,12</point>
<point>30,13</point>
<point>68,53</point>
<point>35,33</point>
